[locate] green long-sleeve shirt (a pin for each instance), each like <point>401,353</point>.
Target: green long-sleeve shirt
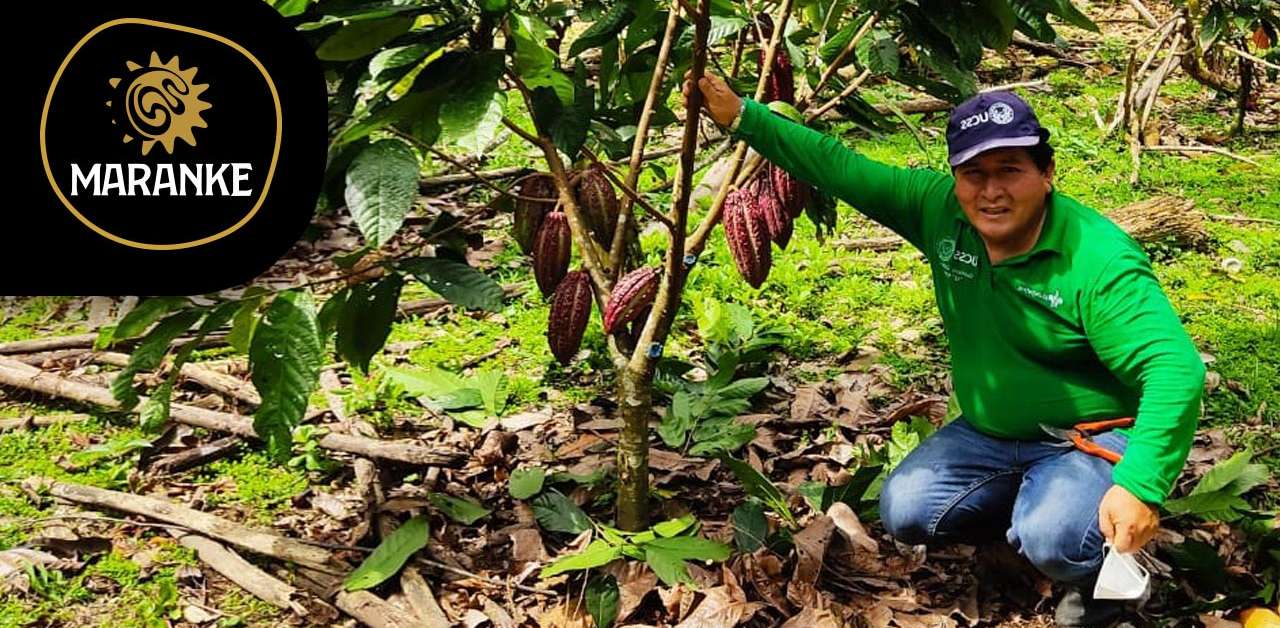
<point>1075,329</point>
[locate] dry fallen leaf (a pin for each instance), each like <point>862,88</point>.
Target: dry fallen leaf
<point>719,609</point>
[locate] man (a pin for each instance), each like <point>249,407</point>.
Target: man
<point>1053,316</point>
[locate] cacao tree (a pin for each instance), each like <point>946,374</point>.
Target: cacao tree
<point>411,79</point>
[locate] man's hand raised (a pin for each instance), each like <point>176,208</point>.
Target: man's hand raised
<point>717,98</point>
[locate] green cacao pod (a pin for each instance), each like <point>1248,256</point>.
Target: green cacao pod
<point>748,237</point>
<point>632,296</point>
<point>551,252</point>
<point>570,311</point>
<point>599,204</point>
<point>529,214</point>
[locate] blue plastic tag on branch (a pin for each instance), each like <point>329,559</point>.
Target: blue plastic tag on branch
<point>655,350</point>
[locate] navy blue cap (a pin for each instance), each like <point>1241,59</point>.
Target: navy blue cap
<point>991,120</point>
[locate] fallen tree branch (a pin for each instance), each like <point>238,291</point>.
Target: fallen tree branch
<point>28,422</point>
<point>19,375</point>
<point>85,341</point>
<point>249,577</point>
<point>213,380</point>
<point>1243,219</point>
<point>254,540</point>
<point>1197,148</point>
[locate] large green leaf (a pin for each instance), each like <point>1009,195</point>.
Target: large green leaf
<point>558,513</point>
<point>526,482</point>
<point>995,22</point>
<point>390,555</point>
<point>149,353</point>
<point>381,185</point>
<point>602,599</point>
<point>1229,472</point>
<point>691,547</point>
<point>679,419</point>
<point>457,282</point>
<point>155,411</point>
<point>244,322</point>
<point>463,511</point>
<point>758,486</point>
<point>492,385</point>
<point>1212,25</point>
<point>358,39</point>
<point>137,320</point>
<point>533,61</point>
<point>285,357</point>
<point>470,117</point>
<point>1214,506</point>
<point>290,8</point>
<point>750,528</point>
<point>365,320</point>
<point>604,29</point>
<point>567,125</point>
<point>879,52</point>
<point>597,554</point>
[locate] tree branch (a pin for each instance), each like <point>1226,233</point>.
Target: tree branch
<point>835,63</point>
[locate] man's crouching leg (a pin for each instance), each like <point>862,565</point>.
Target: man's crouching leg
<point>957,486</point>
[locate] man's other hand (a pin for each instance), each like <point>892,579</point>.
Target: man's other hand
<point>1126,521</point>
<point>718,99</point>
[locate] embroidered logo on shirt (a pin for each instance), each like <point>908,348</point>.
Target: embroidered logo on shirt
<point>947,251</point>
<point>1053,299</point>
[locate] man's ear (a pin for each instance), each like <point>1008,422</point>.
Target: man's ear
<point>1048,177</point>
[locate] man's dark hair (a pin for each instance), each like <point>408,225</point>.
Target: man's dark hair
<point>1041,154</point>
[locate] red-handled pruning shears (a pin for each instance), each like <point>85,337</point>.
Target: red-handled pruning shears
<point>1078,436</point>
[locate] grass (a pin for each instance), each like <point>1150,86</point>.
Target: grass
<point>833,300</point>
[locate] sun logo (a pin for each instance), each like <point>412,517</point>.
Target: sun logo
<point>158,102</point>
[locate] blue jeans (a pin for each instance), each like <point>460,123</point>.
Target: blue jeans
<point>960,485</point>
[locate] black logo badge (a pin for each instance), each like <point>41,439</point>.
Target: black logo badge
<point>179,148</point>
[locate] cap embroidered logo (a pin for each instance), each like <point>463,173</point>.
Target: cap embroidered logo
<point>1000,113</point>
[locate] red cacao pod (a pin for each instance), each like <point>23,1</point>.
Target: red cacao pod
<point>570,311</point>
<point>632,296</point>
<point>599,204</point>
<point>775,218</point>
<point>528,214</point>
<point>551,252</point>
<point>782,83</point>
<point>748,237</point>
<point>792,192</point>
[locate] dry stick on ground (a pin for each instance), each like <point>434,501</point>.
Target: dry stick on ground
<point>28,422</point>
<point>1243,219</point>
<point>1144,13</point>
<point>45,357</point>
<point>365,607</point>
<point>252,579</point>
<point>19,375</point>
<point>1139,124</point>
<point>218,382</point>
<point>1202,149</point>
<point>1124,105</point>
<point>85,341</point>
<point>252,539</point>
<point>367,480</point>
<point>203,453</point>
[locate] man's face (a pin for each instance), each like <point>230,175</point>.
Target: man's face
<point>1003,193</point>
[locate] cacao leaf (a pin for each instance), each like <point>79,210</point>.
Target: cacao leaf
<point>390,555</point>
<point>526,482</point>
<point>365,320</point>
<point>558,513</point>
<point>149,353</point>
<point>362,38</point>
<point>602,599</point>
<point>381,185</point>
<point>463,511</point>
<point>604,29</point>
<point>285,357</point>
<point>597,554</point>
<point>456,282</point>
<point>470,117</point>
<point>750,528</point>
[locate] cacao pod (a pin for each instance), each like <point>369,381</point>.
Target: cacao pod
<point>792,192</point>
<point>766,202</point>
<point>748,237</point>
<point>632,296</point>
<point>570,311</point>
<point>599,204</point>
<point>529,214</point>
<point>782,83</point>
<point>551,252</point>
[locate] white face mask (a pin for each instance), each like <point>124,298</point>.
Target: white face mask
<point>1121,578</point>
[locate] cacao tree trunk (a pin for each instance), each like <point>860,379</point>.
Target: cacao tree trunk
<point>635,406</point>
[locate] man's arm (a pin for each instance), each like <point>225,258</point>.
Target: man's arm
<point>892,196</point>
<point>1137,335</point>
